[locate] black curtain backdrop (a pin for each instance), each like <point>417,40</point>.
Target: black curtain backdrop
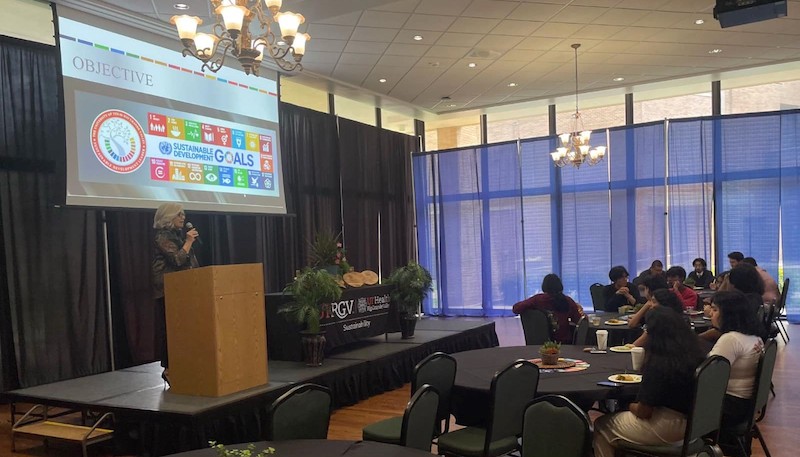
<point>376,184</point>
<point>52,294</point>
<point>53,319</point>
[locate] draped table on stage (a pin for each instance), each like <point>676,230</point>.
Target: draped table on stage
<point>320,448</point>
<point>476,368</point>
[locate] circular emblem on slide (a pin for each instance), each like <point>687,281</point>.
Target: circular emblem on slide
<point>118,141</point>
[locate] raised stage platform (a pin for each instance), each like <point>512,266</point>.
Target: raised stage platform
<point>149,420</point>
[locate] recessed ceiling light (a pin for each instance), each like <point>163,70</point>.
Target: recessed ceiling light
<point>452,105</point>
<point>382,80</point>
<point>281,43</point>
<point>417,37</point>
<point>472,65</point>
<point>699,22</point>
<point>715,51</point>
<point>619,78</point>
<point>512,84</point>
<point>181,6</point>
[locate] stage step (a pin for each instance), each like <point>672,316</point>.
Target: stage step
<point>51,430</point>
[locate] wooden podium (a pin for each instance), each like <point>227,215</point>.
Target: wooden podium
<point>216,329</point>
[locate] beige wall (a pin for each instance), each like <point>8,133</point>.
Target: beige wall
<point>28,20</point>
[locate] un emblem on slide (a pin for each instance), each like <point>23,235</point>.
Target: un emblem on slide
<point>118,141</point>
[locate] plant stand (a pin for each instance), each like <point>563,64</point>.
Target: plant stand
<point>313,348</point>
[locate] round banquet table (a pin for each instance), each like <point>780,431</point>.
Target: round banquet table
<point>319,448</point>
<point>470,397</point>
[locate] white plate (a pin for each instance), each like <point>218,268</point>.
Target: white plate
<point>637,378</point>
<point>618,322</point>
<point>620,349</point>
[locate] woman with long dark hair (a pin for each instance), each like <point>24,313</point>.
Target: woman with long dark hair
<point>742,344</point>
<point>658,417</point>
<point>553,300</point>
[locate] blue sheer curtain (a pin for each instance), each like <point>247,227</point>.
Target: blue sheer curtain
<point>749,205</point>
<point>691,190</point>
<point>492,221</point>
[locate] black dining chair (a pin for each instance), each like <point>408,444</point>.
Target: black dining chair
<point>597,292</point>
<point>779,307</point>
<point>749,429</point>
<point>302,413</point>
<point>536,326</point>
<point>511,390</point>
<point>437,370</point>
<point>705,414</point>
<point>581,334</point>
<point>554,426</point>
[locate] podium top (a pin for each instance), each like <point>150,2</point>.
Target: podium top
<point>218,279</point>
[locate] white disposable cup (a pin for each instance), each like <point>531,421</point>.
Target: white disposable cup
<point>602,339</point>
<point>637,358</point>
<point>594,320</point>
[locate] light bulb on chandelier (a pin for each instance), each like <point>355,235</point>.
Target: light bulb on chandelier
<point>231,35</point>
<point>575,146</point>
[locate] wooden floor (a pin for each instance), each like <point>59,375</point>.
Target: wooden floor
<point>779,427</point>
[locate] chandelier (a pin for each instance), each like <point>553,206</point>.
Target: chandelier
<point>231,35</point>
<point>575,148</point>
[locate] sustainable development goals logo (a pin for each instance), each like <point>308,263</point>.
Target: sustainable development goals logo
<point>118,141</point>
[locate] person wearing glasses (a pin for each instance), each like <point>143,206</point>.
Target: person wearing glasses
<point>172,252</point>
<point>620,292</point>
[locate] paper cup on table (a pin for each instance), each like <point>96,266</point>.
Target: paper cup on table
<point>595,320</point>
<point>602,339</point>
<point>637,358</point>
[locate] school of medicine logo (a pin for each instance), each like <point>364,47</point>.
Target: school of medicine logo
<point>118,141</point>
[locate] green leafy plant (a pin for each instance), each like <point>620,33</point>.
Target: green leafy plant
<point>550,347</point>
<point>308,290</point>
<point>326,250</point>
<point>412,283</point>
<point>222,451</point>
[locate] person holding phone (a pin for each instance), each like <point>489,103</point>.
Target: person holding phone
<point>172,252</point>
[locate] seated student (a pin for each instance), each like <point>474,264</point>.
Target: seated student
<point>620,291</point>
<point>771,292</point>
<point>700,276</point>
<point>742,345</point>
<point>647,290</point>
<point>552,299</point>
<point>675,278</point>
<point>658,417</point>
<point>734,258</point>
<point>745,279</point>
<point>662,298</point>
<point>656,269</point>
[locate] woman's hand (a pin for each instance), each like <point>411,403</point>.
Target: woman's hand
<point>641,410</point>
<point>192,235</point>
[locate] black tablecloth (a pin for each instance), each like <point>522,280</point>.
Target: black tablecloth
<point>321,448</point>
<point>476,368</point>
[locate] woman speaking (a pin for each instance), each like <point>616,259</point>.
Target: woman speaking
<point>172,252</point>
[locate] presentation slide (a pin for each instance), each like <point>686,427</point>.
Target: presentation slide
<point>144,125</point>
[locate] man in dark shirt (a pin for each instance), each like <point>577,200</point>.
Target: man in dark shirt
<point>620,292</point>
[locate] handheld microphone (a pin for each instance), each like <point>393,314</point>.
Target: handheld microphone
<point>189,227</point>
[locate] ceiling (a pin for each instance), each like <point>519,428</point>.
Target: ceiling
<point>359,42</point>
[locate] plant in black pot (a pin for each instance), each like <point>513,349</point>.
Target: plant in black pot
<point>309,290</point>
<point>411,285</point>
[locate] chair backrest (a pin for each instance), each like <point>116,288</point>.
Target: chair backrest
<point>711,382</point>
<point>303,412</point>
<point>439,371</point>
<point>581,332</point>
<point>597,291</point>
<point>419,419</point>
<point>512,388</point>
<point>535,326</point>
<point>782,299</point>
<point>766,367</point>
<point>556,427</point>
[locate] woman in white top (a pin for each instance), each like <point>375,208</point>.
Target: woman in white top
<point>742,344</point>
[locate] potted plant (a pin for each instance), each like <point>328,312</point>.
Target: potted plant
<point>308,291</point>
<point>550,351</point>
<point>412,283</point>
<point>327,253</point>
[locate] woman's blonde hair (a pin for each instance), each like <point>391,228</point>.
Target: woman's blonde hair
<point>165,214</point>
